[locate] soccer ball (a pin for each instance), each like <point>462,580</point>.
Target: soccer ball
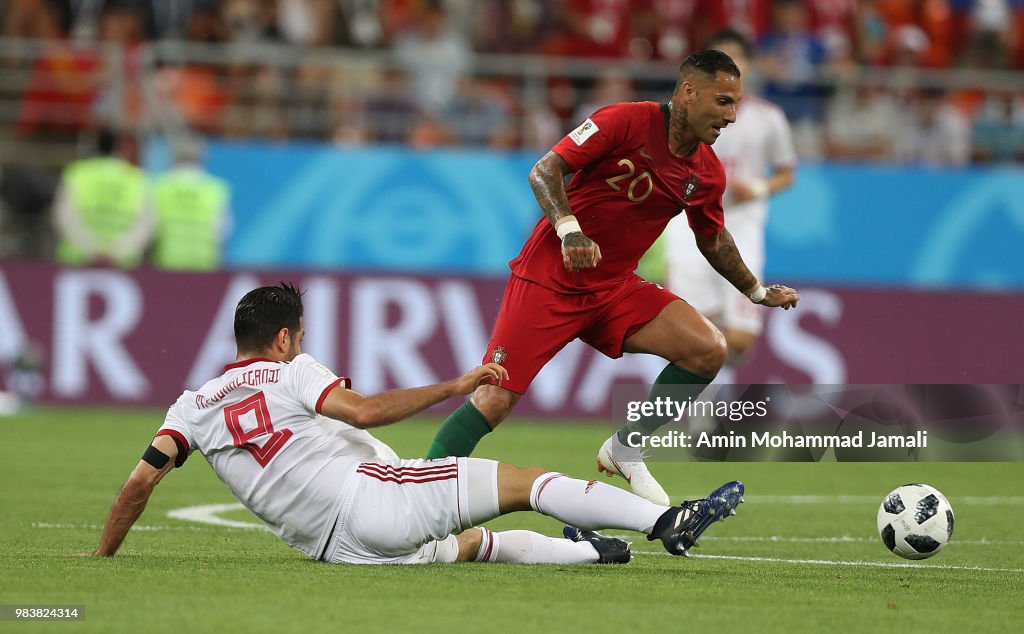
<point>915,521</point>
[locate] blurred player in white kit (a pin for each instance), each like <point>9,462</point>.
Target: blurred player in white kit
<point>760,160</point>
<point>287,436</point>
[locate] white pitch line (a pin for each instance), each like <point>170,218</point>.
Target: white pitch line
<point>212,522</point>
<point>207,514</point>
<point>146,528</point>
<point>829,562</point>
<point>842,539</point>
<point>813,562</point>
<point>208,510</point>
<point>866,499</point>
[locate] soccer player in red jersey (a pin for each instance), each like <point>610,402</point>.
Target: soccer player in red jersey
<point>636,166</point>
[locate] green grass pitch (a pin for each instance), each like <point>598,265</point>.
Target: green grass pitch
<point>802,555</point>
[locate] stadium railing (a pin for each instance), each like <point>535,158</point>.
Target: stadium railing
<point>52,91</point>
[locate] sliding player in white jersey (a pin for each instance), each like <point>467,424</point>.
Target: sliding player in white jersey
<point>759,157</point>
<point>271,427</point>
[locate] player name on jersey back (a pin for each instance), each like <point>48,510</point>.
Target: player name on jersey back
<point>250,378</point>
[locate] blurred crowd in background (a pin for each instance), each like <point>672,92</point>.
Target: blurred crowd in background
<point>860,79</point>
<point>936,33</point>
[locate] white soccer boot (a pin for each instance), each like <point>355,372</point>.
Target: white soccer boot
<point>614,458</point>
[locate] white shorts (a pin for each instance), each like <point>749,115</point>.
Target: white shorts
<point>692,278</point>
<point>409,511</point>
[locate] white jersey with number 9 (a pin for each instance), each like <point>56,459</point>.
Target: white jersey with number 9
<point>259,427</point>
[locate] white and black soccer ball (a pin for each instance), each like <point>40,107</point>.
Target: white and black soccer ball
<point>915,521</point>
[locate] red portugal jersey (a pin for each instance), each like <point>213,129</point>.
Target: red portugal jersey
<point>626,187</point>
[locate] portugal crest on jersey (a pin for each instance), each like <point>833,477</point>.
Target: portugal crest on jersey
<point>690,186</point>
<point>499,355</point>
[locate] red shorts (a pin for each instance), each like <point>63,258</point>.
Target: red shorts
<point>534,323</point>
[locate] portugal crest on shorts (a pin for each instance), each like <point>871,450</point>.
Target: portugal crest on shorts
<point>689,186</point>
<point>498,355</point>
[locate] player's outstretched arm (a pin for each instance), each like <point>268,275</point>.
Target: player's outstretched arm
<point>721,253</point>
<point>132,498</point>
<point>547,179</point>
<point>390,407</point>
<point>757,189</point>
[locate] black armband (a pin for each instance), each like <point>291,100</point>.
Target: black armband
<point>155,458</point>
<point>179,442</point>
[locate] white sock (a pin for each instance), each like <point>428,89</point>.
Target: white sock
<point>527,547</point>
<point>592,505</point>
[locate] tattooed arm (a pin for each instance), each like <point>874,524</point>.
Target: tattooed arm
<point>721,253</point>
<point>547,179</point>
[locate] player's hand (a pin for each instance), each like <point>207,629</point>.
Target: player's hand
<point>741,192</point>
<point>780,296</point>
<point>488,374</point>
<point>579,252</point>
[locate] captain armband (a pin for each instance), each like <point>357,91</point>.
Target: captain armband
<point>155,458</point>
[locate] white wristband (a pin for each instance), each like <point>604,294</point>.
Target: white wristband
<point>757,295</point>
<point>567,227</point>
<point>759,188</point>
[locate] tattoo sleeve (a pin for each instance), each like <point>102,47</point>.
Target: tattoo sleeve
<point>721,253</point>
<point>548,184</point>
